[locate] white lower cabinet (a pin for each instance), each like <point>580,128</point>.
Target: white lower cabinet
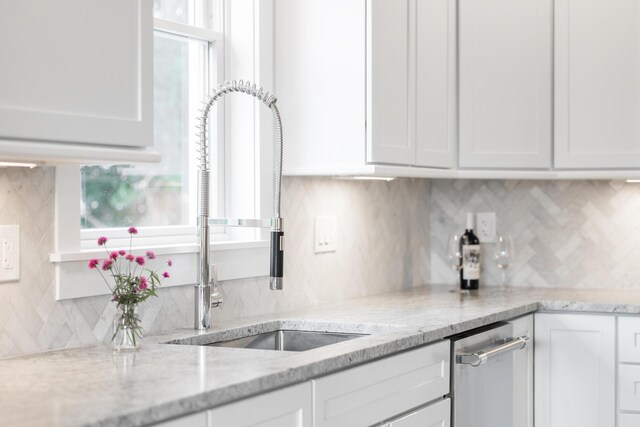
<point>379,391</point>
<point>629,371</point>
<point>575,370</point>
<point>289,407</point>
<point>629,420</point>
<point>436,415</point>
<point>195,420</point>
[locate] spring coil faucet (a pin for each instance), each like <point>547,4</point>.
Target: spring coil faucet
<point>204,299</point>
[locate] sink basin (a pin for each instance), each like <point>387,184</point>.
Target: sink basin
<point>287,340</point>
<point>282,335</point>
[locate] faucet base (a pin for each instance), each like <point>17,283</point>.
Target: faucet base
<point>275,283</point>
<point>202,307</point>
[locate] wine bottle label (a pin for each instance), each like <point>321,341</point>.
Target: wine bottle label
<point>471,262</point>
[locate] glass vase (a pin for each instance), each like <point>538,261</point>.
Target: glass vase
<point>127,328</point>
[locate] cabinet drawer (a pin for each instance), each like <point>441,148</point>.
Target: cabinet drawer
<point>436,415</point>
<point>288,407</point>
<point>629,339</point>
<point>629,387</point>
<point>629,420</point>
<point>380,390</point>
<point>195,420</point>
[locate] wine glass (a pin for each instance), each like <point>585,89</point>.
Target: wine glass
<point>503,254</point>
<point>454,252</point>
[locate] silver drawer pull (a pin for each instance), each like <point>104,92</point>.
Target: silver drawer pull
<point>482,357</point>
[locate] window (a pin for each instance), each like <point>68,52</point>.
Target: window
<point>187,61</point>
<point>196,43</point>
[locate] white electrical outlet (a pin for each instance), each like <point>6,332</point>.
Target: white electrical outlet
<point>326,234</point>
<point>10,238</point>
<point>486,226</point>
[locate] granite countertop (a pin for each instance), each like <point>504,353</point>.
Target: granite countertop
<point>93,386</point>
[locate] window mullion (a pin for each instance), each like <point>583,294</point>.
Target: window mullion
<point>186,30</point>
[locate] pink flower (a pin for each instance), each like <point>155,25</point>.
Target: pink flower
<point>130,258</point>
<point>102,240</point>
<point>151,255</point>
<point>165,275</point>
<point>132,230</point>
<point>107,264</point>
<point>140,260</point>
<point>142,283</point>
<point>122,252</point>
<point>93,263</point>
<point>113,255</point>
<point>169,262</point>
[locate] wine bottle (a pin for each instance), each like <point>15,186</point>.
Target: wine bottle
<point>470,249</point>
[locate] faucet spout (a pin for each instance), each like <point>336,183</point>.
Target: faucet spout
<point>204,300</point>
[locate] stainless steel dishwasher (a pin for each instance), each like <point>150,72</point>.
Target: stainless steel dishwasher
<point>492,376</point>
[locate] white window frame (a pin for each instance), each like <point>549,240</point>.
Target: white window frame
<point>238,254</point>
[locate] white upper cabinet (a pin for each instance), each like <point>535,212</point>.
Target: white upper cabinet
<point>505,83</point>
<point>388,138</point>
<point>75,71</point>
<point>597,91</point>
<point>435,83</point>
<point>346,79</point>
<point>320,83</point>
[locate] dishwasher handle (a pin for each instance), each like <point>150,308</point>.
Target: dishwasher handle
<point>482,357</point>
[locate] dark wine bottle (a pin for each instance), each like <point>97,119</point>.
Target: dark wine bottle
<point>470,250</point>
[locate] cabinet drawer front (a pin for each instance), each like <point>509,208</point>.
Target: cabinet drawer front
<point>629,420</point>
<point>629,387</point>
<point>436,415</point>
<point>629,339</point>
<point>195,420</point>
<point>380,390</point>
<point>289,407</point>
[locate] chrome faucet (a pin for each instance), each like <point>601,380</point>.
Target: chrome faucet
<point>204,298</point>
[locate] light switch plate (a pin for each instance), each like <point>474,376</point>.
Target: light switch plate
<point>326,234</point>
<point>486,226</point>
<point>10,261</point>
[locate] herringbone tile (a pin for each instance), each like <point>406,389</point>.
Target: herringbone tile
<point>567,233</point>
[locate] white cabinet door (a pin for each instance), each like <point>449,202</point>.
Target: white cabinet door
<point>320,83</point>
<point>388,138</point>
<point>629,420</point>
<point>523,378</point>
<point>597,71</point>
<point>436,415</point>
<point>505,60</point>
<point>575,370</point>
<point>77,71</point>
<point>289,407</point>
<point>435,80</point>
<point>378,391</point>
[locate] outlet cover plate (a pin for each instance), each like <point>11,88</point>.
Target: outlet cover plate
<point>326,234</point>
<point>486,226</point>
<point>10,246</point>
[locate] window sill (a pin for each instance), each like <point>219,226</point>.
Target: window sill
<point>234,260</point>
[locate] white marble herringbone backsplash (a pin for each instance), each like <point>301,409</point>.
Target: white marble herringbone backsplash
<point>383,245</point>
<point>582,234</point>
<point>391,236</point>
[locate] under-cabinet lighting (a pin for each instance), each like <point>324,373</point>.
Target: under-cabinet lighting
<point>634,180</point>
<point>373,178</point>
<point>17,165</point>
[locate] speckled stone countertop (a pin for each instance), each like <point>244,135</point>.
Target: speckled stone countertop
<point>92,386</point>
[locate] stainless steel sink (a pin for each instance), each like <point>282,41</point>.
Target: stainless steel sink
<point>287,340</point>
